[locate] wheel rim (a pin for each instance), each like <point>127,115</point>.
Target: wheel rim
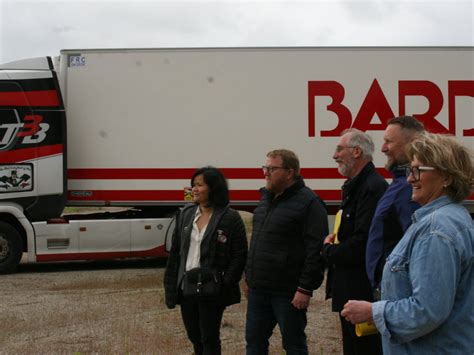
<point>4,248</point>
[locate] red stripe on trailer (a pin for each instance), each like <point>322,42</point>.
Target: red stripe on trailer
<point>187,173</point>
<point>253,195</point>
<point>178,195</point>
<point>172,195</point>
<point>131,174</point>
<point>155,252</point>
<point>126,195</point>
<point>19,155</point>
<point>30,98</point>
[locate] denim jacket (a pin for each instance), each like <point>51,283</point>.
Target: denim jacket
<point>428,285</point>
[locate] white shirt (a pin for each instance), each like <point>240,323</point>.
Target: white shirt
<point>194,253</point>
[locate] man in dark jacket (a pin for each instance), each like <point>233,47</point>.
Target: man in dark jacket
<point>393,214</point>
<point>347,278</point>
<point>284,263</point>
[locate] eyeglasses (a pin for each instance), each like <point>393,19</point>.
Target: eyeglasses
<point>340,148</point>
<point>271,169</point>
<point>416,171</point>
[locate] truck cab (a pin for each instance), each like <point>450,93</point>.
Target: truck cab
<point>32,154</point>
<point>33,182</point>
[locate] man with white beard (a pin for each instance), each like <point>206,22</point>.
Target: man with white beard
<point>347,278</point>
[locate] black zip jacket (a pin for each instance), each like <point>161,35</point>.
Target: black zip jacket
<point>347,278</point>
<point>285,249</point>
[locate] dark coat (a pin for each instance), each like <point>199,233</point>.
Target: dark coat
<point>347,278</point>
<point>285,249</point>
<point>227,254</point>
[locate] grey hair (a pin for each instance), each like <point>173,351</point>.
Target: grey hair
<point>360,139</point>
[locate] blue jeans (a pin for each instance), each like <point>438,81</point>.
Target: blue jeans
<point>264,311</point>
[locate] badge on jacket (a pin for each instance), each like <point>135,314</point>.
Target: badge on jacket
<point>221,238</point>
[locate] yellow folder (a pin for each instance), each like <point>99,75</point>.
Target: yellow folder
<point>337,224</point>
<point>367,328</point>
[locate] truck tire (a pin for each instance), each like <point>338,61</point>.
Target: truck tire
<point>11,249</point>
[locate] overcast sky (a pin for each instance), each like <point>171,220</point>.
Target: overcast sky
<point>38,28</point>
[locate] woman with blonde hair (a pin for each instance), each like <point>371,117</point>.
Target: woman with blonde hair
<point>428,279</point>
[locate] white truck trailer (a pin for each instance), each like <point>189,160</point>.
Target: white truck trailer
<point>128,127</point>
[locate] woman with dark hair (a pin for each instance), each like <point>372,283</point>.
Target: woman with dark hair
<point>209,239</point>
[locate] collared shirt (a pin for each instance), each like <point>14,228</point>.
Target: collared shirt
<point>194,253</point>
<point>428,284</point>
<point>391,219</point>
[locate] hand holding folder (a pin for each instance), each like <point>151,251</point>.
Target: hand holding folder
<point>357,311</point>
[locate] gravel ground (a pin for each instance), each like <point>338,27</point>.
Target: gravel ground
<point>117,307</point>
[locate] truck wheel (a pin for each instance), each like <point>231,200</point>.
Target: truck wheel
<point>10,248</point>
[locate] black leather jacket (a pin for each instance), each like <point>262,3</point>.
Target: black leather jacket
<point>227,254</point>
